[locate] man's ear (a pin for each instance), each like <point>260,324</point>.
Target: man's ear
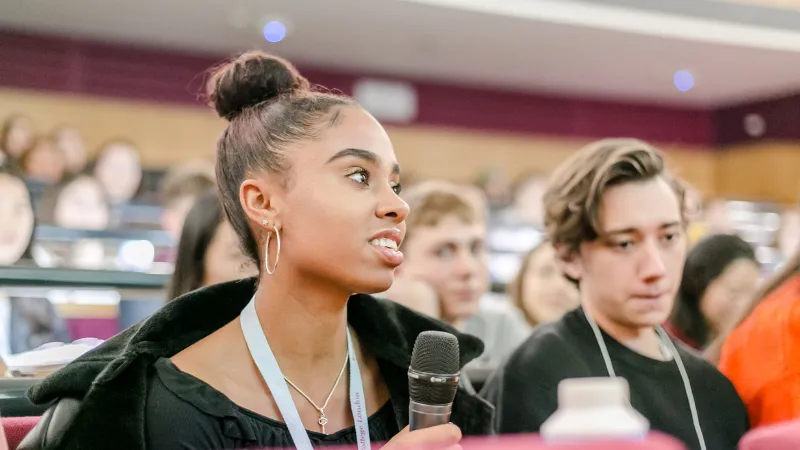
<point>570,262</point>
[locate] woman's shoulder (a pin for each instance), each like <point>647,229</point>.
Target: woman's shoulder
<point>771,325</point>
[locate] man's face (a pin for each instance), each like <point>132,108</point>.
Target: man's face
<point>630,274</point>
<point>451,257</point>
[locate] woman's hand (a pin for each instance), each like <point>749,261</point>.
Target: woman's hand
<point>440,437</point>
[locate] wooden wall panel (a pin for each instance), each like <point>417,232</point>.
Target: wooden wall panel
<point>166,134</point>
<point>766,172</point>
<point>461,154</point>
<point>169,134</point>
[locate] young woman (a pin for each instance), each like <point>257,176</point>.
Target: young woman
<point>78,202</point>
<point>16,135</point>
<point>760,351</point>
<point>119,169</point>
<point>310,183</point>
<point>540,290</point>
<point>25,322</point>
<point>721,273</point>
<point>43,162</point>
<point>17,220</point>
<point>208,252</point>
<point>69,140</point>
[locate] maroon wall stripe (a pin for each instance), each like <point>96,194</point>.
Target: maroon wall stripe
<point>78,66</point>
<point>779,120</point>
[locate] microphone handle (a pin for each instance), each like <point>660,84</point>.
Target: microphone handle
<point>425,416</point>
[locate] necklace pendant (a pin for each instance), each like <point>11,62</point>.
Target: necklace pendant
<point>323,420</point>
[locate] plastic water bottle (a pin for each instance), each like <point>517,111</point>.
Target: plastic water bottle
<point>592,409</point>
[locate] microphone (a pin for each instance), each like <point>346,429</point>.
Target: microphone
<point>433,379</point>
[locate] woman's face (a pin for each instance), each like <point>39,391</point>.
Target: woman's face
<point>529,199</point>
<point>20,136</point>
<point>789,233</point>
<point>16,219</point>
<point>546,294</point>
<point>224,259</point>
<point>119,171</point>
<point>339,213</point>
<point>82,205</point>
<point>727,293</point>
<point>45,163</point>
<point>71,143</point>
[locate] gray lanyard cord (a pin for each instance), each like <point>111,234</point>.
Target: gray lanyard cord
<point>671,347</point>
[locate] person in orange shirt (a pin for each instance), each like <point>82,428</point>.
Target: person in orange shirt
<point>761,354</point>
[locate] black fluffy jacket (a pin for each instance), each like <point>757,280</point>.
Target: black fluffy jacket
<point>110,383</point>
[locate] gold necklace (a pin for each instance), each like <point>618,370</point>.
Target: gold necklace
<point>323,420</point>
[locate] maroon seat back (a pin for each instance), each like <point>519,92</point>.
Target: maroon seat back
<point>782,436</point>
<point>16,428</point>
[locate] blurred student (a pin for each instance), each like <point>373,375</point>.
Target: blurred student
<point>208,251</point>
<point>445,246</point>
<point>118,168</point>
<point>180,188</point>
<point>760,352</point>
<point>540,290</point>
<point>70,141</point>
<point>25,323</point>
<point>416,295</point>
<point>720,274</point>
<point>17,221</point>
<point>16,135</point>
<point>615,217</point>
<point>78,202</point>
<point>43,162</point>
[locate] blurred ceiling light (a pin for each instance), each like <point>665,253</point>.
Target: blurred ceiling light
<point>754,125</point>
<point>274,31</point>
<point>683,80</point>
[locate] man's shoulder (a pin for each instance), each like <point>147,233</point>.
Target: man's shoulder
<point>546,342</point>
<point>701,371</point>
<point>696,364</point>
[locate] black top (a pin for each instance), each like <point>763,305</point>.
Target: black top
<point>113,388</point>
<point>184,412</point>
<point>524,390</point>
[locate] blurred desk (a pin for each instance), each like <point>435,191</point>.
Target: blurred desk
<point>13,398</point>
<point>84,278</point>
<point>95,303</point>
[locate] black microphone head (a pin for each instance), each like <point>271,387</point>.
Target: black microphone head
<point>436,354</point>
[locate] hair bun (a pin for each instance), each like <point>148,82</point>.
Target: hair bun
<point>252,78</point>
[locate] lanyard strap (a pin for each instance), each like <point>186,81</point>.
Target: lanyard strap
<point>265,360</point>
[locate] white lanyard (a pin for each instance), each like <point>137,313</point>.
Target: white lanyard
<point>268,366</point>
<point>665,340</point>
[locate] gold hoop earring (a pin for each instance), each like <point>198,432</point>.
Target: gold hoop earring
<point>266,250</point>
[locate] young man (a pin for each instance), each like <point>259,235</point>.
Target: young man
<point>445,246</point>
<point>616,217</point>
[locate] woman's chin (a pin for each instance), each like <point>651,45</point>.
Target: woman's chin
<point>375,285</point>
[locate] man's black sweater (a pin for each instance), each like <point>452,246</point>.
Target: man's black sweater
<point>524,390</point>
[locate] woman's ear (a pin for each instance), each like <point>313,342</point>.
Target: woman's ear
<point>258,198</point>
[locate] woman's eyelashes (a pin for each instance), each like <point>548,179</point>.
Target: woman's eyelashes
<point>362,177</point>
